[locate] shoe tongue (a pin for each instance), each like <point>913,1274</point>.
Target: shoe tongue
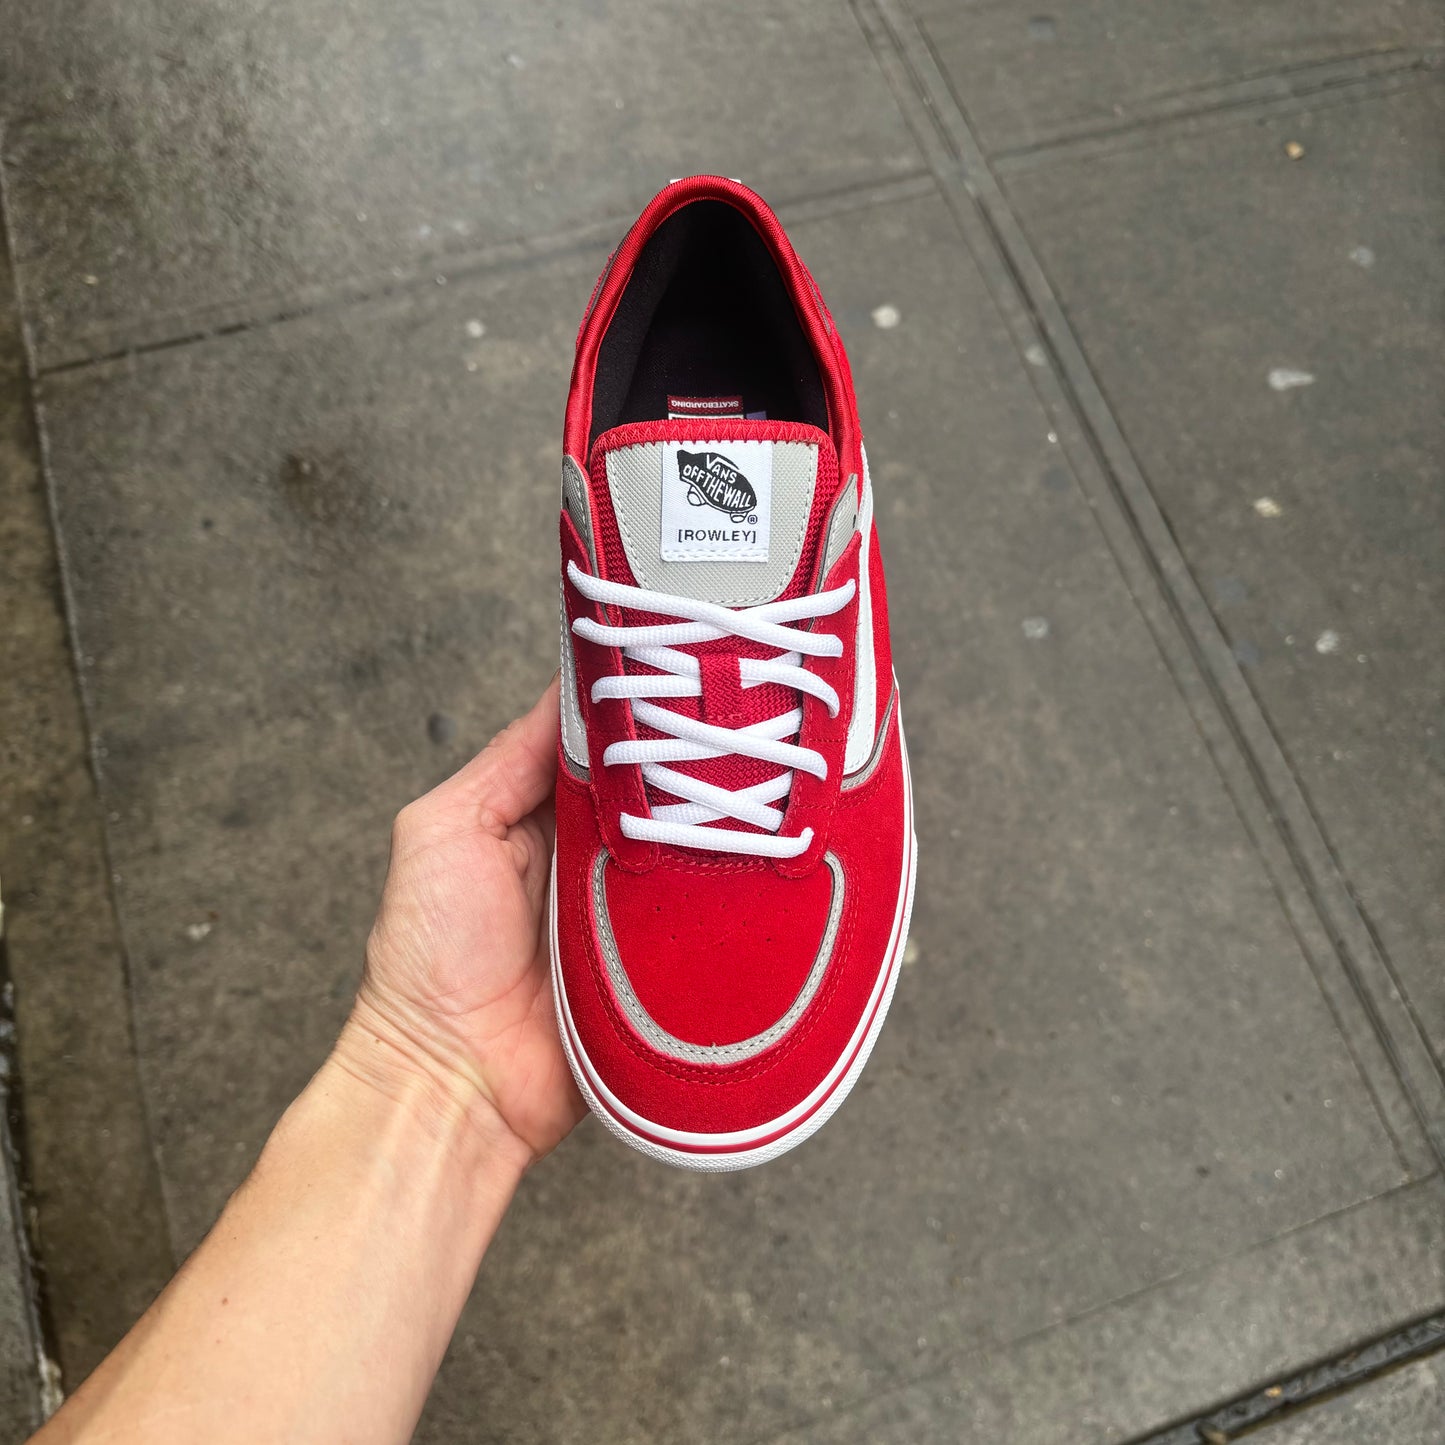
<point>720,508</point>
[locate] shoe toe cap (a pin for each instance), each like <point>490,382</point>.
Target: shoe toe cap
<point>714,965</point>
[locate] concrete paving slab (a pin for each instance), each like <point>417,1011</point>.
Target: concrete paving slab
<point>1111,1376</point>
<point>1029,76</point>
<point>1268,333</point>
<point>1109,1063</point>
<point>92,1175</point>
<point>1405,1407</point>
<point>20,1352</point>
<point>173,166</point>
<point>1383,1037</point>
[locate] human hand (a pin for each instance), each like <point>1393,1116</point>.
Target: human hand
<point>457,991</point>
<point>345,1258</point>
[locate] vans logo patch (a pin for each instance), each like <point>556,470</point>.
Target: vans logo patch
<point>713,481</point>
<point>716,501</point>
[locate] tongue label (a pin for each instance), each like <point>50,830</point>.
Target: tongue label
<point>717,501</point>
<point>695,408</point>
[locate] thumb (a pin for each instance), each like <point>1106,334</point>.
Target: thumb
<point>514,774</point>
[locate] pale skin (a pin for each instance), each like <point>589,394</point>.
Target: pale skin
<point>318,1308</point>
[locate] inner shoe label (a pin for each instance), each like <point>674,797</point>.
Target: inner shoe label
<point>717,501</point>
<point>690,408</point>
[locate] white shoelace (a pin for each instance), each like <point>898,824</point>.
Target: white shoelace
<point>690,740</point>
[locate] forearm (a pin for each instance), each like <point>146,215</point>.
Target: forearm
<point>320,1305</point>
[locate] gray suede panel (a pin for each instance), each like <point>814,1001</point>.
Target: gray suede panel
<point>852,780</point>
<point>634,475</point>
<point>576,502</point>
<point>842,523</point>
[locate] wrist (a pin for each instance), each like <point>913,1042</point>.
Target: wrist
<point>356,1237</point>
<point>438,1097</point>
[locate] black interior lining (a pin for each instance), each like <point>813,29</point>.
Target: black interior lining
<point>706,313</point>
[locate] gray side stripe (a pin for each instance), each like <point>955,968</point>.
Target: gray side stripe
<point>866,771</point>
<point>574,729</point>
<point>665,1043</point>
<point>842,523</point>
<point>577,503</point>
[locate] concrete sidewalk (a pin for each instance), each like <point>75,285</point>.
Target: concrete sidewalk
<point>23,1370</point>
<point>1144,305</point>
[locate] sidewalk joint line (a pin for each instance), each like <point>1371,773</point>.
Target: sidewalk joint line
<point>1289,91</point>
<point>41,444</point>
<point>983,1350</point>
<point>1307,1388</point>
<point>234,318</point>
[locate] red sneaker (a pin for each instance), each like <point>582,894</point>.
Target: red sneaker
<point>735,852</point>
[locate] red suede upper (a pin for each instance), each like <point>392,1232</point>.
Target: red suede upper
<point>717,954</point>
<point>869,842</point>
<point>715,946</point>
